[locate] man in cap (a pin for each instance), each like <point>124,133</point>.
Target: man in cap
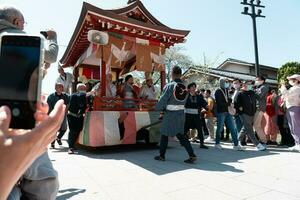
<point>172,103</point>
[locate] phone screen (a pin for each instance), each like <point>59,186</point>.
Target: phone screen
<point>19,77</point>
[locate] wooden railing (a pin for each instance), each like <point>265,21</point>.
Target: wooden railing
<point>123,104</point>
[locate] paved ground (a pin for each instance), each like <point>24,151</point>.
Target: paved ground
<point>130,173</point>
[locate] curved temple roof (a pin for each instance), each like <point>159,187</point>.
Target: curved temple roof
<point>133,20</point>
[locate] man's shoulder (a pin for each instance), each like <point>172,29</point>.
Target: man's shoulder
<point>218,90</point>
<point>66,95</point>
<point>174,83</point>
<point>74,94</point>
<point>51,95</point>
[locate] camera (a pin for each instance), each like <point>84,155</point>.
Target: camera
<point>21,58</point>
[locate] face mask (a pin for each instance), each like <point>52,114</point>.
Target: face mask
<point>249,87</point>
<point>226,85</point>
<point>292,83</point>
<point>236,86</point>
<point>258,83</point>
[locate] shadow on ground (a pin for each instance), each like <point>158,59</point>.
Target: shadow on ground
<point>142,155</point>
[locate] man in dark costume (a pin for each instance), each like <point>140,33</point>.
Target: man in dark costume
<point>172,103</point>
<point>194,106</point>
<point>77,108</point>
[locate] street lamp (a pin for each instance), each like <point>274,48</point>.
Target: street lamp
<point>253,14</point>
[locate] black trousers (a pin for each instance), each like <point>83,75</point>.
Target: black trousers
<point>61,133</point>
<point>75,126</point>
<point>183,141</point>
<point>194,122</point>
<point>286,137</point>
<point>62,130</point>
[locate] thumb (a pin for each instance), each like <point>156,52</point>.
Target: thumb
<point>5,117</point>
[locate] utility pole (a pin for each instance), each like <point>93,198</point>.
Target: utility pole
<point>253,14</point>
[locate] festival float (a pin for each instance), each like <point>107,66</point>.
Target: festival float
<point>118,42</point>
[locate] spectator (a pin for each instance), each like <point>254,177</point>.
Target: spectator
<point>223,102</point>
<point>292,102</point>
<point>51,100</point>
<point>210,115</point>
<point>246,107</point>
<point>40,176</point>
<point>12,21</point>
<point>25,146</point>
<point>261,92</point>
<point>286,137</point>
<point>270,116</point>
<point>237,86</point>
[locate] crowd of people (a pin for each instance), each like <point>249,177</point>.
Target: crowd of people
<point>250,111</point>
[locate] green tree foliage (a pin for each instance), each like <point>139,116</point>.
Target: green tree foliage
<point>288,69</point>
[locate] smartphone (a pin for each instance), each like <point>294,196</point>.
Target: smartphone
<point>20,77</point>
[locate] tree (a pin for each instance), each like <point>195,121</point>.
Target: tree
<point>288,69</point>
<point>173,57</point>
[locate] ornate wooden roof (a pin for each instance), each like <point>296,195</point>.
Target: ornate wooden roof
<point>134,20</point>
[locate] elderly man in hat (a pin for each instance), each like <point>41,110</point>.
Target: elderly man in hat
<point>292,102</point>
<point>148,90</point>
<point>172,103</point>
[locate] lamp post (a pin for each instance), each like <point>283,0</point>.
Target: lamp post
<point>254,14</point>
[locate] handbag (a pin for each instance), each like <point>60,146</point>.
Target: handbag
<point>231,110</point>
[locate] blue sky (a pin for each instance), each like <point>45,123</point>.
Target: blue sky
<point>217,27</point>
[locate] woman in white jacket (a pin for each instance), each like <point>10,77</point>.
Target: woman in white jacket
<point>292,102</point>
